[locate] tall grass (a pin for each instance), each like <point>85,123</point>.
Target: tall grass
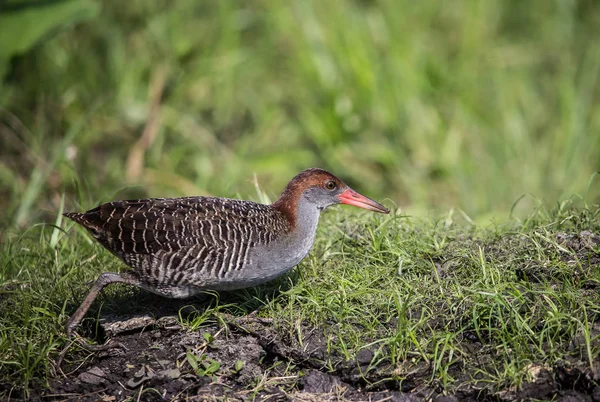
<point>465,104</point>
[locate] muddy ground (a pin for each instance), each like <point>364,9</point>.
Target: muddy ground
<point>248,358</point>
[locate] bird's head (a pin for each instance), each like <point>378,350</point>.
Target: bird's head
<point>322,189</point>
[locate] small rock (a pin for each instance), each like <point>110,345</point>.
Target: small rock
<point>94,376</point>
<point>97,371</point>
<point>364,356</point>
<point>318,382</point>
<point>140,373</point>
<point>133,383</point>
<point>172,374</point>
<point>164,363</point>
<point>143,374</point>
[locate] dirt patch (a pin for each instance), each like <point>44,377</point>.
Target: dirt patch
<point>247,359</point>
<point>243,359</point>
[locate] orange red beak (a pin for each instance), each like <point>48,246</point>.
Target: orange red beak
<point>351,197</point>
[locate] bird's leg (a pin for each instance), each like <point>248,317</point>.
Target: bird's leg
<point>104,279</point>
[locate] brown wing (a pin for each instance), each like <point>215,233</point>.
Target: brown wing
<point>171,224</point>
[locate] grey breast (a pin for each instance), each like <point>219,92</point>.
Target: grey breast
<point>203,242</point>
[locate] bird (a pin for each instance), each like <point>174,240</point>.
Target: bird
<point>179,247</point>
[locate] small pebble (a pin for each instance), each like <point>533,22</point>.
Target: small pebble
<point>172,374</point>
<point>364,356</point>
<point>93,376</point>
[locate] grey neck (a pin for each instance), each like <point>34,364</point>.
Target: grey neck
<point>290,249</point>
<point>307,219</point>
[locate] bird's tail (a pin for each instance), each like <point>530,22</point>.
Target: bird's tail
<point>76,217</point>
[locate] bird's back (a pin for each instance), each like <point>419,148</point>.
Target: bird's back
<point>190,241</point>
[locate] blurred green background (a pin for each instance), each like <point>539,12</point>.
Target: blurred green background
<point>433,105</point>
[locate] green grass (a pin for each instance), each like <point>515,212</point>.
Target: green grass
<point>479,304</point>
<point>466,104</point>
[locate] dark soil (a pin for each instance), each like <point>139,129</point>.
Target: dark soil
<point>254,363</point>
<point>257,363</point>
<point>251,359</point>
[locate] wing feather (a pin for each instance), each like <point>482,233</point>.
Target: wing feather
<point>147,226</point>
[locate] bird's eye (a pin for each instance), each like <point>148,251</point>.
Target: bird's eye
<point>330,185</point>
